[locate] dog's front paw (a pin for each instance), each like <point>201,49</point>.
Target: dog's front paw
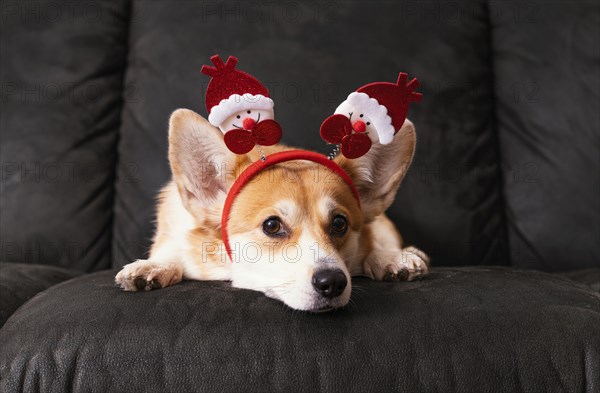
<point>144,275</point>
<point>413,263</point>
<point>403,265</point>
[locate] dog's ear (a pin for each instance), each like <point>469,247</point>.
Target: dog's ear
<point>377,174</point>
<point>202,166</point>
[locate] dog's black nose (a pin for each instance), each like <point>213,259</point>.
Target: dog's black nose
<point>329,283</point>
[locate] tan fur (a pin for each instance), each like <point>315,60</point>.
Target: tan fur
<point>305,195</point>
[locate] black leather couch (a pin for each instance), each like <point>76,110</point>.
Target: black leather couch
<point>503,194</point>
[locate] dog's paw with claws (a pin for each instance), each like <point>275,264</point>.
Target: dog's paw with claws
<point>406,265</point>
<point>413,263</point>
<point>144,275</point>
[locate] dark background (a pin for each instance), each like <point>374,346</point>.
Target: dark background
<point>507,164</point>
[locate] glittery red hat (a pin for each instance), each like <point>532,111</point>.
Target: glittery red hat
<point>230,91</point>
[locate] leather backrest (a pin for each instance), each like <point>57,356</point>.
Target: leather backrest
<point>546,64</point>
<point>62,70</point>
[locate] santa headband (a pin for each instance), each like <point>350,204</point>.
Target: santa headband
<point>374,113</point>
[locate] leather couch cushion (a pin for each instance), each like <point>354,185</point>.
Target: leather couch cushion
<point>62,80</point>
<point>546,61</point>
<point>312,55</point>
<point>460,329</point>
<point>19,282</point>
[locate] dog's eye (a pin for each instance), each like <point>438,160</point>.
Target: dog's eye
<point>272,226</point>
<point>339,225</point>
<point>238,116</point>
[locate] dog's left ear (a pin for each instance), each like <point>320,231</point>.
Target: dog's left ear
<point>203,168</point>
<point>377,174</point>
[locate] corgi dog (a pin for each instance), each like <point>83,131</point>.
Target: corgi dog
<point>296,231</point>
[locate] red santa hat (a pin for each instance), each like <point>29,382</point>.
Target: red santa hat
<point>230,91</point>
<point>385,104</point>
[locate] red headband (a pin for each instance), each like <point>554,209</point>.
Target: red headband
<point>271,160</point>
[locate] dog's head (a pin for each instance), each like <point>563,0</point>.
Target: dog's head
<point>296,231</point>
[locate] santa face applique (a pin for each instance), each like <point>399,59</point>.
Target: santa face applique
<point>240,106</point>
<point>246,119</point>
<point>359,121</point>
<point>374,113</point>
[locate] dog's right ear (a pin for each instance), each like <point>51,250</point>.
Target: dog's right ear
<point>377,174</point>
<point>202,166</point>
